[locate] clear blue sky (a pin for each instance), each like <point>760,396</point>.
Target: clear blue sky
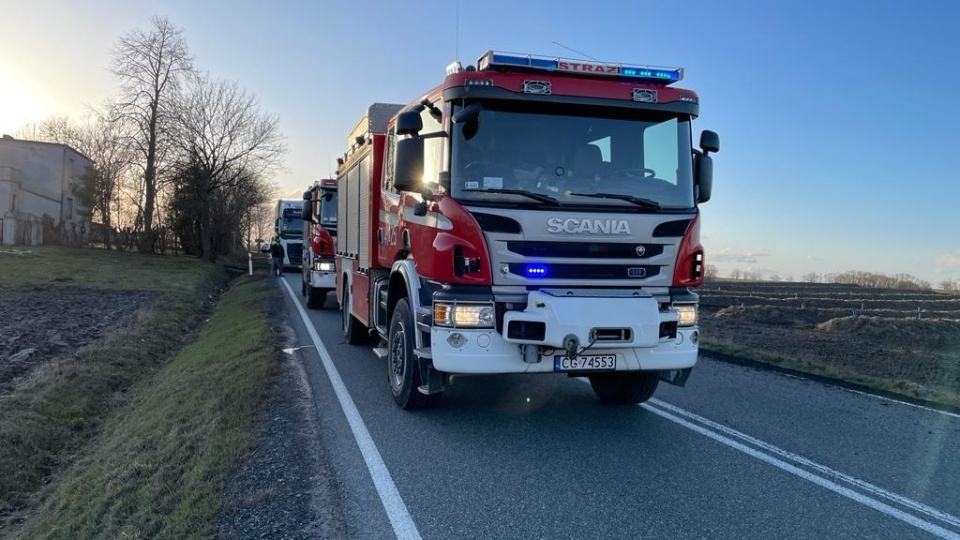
<point>837,119</point>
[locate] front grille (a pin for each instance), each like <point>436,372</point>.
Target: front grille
<point>295,253</point>
<point>585,250</point>
<point>622,335</point>
<point>583,271</point>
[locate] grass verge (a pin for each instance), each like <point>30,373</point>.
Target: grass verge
<point>60,406</point>
<point>158,467</point>
<point>827,373</point>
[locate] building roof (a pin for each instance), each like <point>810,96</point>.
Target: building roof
<point>10,139</point>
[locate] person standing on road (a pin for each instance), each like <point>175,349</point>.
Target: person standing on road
<point>277,252</point>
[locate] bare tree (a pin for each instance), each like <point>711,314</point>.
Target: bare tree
<point>711,272</point>
<point>811,277</point>
<point>736,273</point>
<point>151,66</point>
<point>222,140</point>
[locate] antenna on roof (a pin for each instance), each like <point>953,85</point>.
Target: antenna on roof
<point>576,51</point>
<point>456,47</point>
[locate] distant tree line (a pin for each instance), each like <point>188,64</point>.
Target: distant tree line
<point>179,157</point>
<point>851,277</point>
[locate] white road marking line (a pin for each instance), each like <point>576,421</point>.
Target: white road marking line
<point>907,403</point>
<point>884,508</point>
<point>403,525</point>
<point>823,469</point>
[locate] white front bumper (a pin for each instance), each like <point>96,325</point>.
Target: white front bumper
<point>323,280</point>
<point>487,351</point>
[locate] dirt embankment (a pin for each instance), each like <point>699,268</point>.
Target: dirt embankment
<point>44,323</point>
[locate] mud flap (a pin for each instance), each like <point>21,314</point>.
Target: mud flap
<point>431,379</point>
<point>676,377</point>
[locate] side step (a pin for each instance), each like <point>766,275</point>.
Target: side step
<point>381,352</point>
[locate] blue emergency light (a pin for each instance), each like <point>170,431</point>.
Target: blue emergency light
<point>649,74</point>
<point>536,270</point>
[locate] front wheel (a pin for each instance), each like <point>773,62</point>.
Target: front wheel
<point>402,367</point>
<point>625,387</point>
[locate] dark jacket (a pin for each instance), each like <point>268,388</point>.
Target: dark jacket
<point>276,251</point>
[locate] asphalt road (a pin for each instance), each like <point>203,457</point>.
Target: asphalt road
<point>739,453</point>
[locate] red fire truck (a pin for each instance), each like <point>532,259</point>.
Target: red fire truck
<point>527,215</point>
<point>320,233</point>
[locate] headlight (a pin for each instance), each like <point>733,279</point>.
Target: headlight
<point>687,314</point>
<point>323,266</point>
<point>464,315</point>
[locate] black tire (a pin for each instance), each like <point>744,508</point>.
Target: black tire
<point>354,332</point>
<point>625,388</point>
<point>303,289</point>
<point>403,372</point>
<point>316,298</point>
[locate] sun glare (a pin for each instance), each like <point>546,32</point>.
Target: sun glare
<point>18,104</point>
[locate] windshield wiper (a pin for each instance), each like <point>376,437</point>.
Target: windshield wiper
<point>639,201</point>
<point>535,196</point>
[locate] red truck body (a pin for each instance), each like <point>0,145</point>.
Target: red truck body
<point>529,215</point>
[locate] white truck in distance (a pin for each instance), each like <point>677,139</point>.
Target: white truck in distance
<point>288,227</point>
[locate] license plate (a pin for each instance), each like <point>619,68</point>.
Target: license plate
<point>587,362</point>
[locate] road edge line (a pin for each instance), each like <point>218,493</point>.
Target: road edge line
<point>396,509</point>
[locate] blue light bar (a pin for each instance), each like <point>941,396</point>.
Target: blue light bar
<point>535,270</point>
<point>655,75</point>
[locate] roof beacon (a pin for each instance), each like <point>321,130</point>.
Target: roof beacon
<point>649,74</point>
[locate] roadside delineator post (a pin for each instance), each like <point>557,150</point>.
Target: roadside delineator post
<point>250,263</point>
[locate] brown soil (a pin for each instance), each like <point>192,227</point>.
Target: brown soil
<point>42,324</point>
<point>817,324</point>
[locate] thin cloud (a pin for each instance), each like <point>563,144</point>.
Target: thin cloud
<point>949,261</point>
<point>814,258</point>
<point>729,255</point>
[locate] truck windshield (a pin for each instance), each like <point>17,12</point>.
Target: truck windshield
<point>570,154</point>
<point>328,210</point>
<point>291,226</point>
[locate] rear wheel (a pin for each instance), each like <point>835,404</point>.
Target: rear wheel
<point>625,388</point>
<point>402,368</point>
<point>353,331</point>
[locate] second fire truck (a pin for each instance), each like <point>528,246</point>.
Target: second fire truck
<point>319,233</point>
<point>528,215</point>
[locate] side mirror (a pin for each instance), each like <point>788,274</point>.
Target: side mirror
<point>709,141</point>
<point>307,195</point>
<point>409,123</point>
<point>306,212</point>
<point>703,176</point>
<point>408,173</point>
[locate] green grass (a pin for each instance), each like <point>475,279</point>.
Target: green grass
<point>894,386</point>
<point>158,468</point>
<point>98,268</point>
<point>60,407</point>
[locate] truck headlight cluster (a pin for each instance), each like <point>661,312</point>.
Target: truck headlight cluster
<point>323,266</point>
<point>458,315</point>
<point>687,314</point>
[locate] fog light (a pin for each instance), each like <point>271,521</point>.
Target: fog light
<point>695,337</point>
<point>456,340</point>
